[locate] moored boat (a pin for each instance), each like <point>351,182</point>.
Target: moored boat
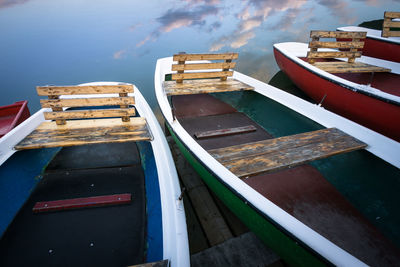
<point>365,90</point>
<point>251,143</point>
<point>383,44</point>
<point>90,186</point>
<point>12,115</point>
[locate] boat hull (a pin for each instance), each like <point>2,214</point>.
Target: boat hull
<point>289,248</point>
<point>366,110</point>
<point>381,49</point>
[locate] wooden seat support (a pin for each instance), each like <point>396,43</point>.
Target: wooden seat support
<point>349,47</point>
<point>200,78</point>
<point>284,152</point>
<point>389,24</point>
<point>86,126</point>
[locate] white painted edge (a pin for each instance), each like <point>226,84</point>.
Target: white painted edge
<point>371,33</point>
<point>175,238</point>
<point>295,50</point>
<point>318,243</point>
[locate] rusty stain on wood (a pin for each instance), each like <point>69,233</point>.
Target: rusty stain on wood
<point>284,152</point>
<point>82,132</point>
<point>224,132</point>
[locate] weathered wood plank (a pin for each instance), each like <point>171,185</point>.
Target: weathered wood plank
<point>201,75</point>
<point>333,54</point>
<point>274,154</point>
<point>190,57</point>
<point>392,14</point>
<point>87,114</point>
<point>87,102</point>
<point>337,34</point>
<point>203,66</point>
<point>319,44</point>
<point>345,67</point>
<point>225,132</point>
<point>392,24</point>
<point>162,263</point>
<point>80,90</point>
<point>81,132</point>
<point>391,34</point>
<point>204,86</point>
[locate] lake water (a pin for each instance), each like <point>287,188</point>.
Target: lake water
<point>47,42</point>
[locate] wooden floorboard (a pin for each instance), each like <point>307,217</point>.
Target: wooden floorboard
<point>283,152</point>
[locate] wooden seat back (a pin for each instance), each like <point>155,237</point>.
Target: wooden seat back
<point>389,24</point>
<point>58,105</point>
<point>225,64</point>
<point>348,46</point>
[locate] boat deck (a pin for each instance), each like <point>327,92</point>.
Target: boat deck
<point>100,236</point>
<point>302,191</point>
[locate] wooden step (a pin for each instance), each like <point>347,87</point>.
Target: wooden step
<point>283,152</point>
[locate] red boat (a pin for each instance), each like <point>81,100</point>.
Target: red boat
<point>12,115</point>
<point>368,98</point>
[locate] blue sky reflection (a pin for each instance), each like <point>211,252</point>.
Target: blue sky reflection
<point>70,42</point>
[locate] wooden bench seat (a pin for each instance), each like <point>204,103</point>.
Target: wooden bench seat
<point>283,152</point>
<point>206,80</point>
<point>349,46</point>
<point>86,126</point>
<point>389,24</point>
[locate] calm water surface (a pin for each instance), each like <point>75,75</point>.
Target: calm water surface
<point>47,42</point>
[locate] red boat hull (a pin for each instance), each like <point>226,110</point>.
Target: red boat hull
<point>381,49</point>
<point>374,113</point>
<point>12,115</point>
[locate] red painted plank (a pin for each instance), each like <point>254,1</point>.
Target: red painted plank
<point>85,202</point>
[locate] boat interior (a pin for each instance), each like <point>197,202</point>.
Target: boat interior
<point>89,205</point>
<point>242,132</point>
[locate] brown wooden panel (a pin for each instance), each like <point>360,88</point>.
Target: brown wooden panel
<point>332,54</point>
<point>203,66</point>
<point>224,132</point>
<point>391,33</point>
<point>319,44</point>
<point>92,113</point>
<point>342,67</point>
<point>393,24</point>
<point>79,90</point>
<point>81,132</point>
<point>392,15</point>
<point>204,86</point>
<point>200,75</point>
<point>87,102</point>
<point>337,34</point>
<point>283,152</point>
<point>190,57</point>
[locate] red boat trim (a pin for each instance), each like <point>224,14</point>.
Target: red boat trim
<point>341,84</point>
<point>75,203</point>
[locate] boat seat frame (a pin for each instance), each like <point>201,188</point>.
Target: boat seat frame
<point>108,120</point>
<point>389,24</point>
<point>349,45</point>
<point>284,152</point>
<point>202,77</point>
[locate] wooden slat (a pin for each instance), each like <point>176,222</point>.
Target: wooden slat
<point>87,102</point>
<point>274,154</point>
<point>203,66</point>
<point>225,132</point>
<point>392,34</point>
<point>332,54</point>
<point>204,86</point>
<point>190,57</point>
<point>345,67</point>
<point>392,15</point>
<point>92,113</point>
<point>392,24</point>
<point>80,132</point>
<point>319,44</point>
<point>201,75</point>
<point>337,34</point>
<point>76,90</point>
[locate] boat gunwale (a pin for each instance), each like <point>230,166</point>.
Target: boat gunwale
<point>355,87</point>
<point>309,237</point>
